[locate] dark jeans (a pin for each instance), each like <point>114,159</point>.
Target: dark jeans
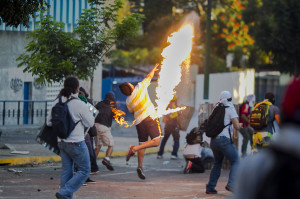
<point>89,143</point>
<point>170,128</point>
<point>222,147</point>
<point>247,133</point>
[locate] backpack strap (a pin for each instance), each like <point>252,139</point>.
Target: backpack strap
<point>70,99</point>
<point>227,124</point>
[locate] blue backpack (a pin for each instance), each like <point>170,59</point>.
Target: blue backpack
<point>62,121</point>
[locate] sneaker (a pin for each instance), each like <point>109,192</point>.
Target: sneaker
<point>159,157</point>
<point>211,191</point>
<point>59,196</point>
<point>186,170</point>
<point>130,153</point>
<point>84,184</point>
<point>141,174</point>
<point>107,164</point>
<point>173,157</point>
<point>228,188</point>
<point>94,172</point>
<point>90,181</point>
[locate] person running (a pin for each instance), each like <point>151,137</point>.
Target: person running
<point>103,125</point>
<point>138,103</point>
<point>73,149</point>
<point>171,127</point>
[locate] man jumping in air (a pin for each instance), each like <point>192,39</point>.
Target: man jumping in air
<point>138,103</point>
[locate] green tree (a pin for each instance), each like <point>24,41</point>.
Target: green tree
<point>53,54</point>
<point>16,12</point>
<point>276,29</point>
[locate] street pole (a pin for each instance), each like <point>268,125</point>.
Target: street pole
<point>207,51</point>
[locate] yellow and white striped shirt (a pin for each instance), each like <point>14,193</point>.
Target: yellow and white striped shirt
<point>139,102</point>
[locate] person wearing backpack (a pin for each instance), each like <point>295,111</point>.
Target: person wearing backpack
<point>221,143</point>
<point>246,131</point>
<point>72,147</point>
<point>261,120</point>
<point>274,172</point>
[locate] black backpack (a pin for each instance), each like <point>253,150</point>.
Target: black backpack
<point>214,125</point>
<point>62,121</point>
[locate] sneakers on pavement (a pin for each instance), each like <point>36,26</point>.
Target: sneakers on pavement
<point>173,157</point>
<point>94,172</point>
<point>107,164</point>
<point>141,174</point>
<point>59,196</point>
<point>188,167</point>
<point>228,188</point>
<point>89,181</point>
<point>159,157</point>
<point>130,153</point>
<point>213,191</point>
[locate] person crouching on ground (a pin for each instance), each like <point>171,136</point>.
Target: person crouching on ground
<point>192,152</point>
<point>138,103</point>
<point>73,149</point>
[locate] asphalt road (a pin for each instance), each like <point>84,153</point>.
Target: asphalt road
<point>164,179</point>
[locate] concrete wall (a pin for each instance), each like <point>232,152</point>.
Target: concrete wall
<point>239,83</point>
<point>11,46</point>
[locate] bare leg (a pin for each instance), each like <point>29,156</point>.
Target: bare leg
<point>141,153</point>
<point>148,144</point>
<point>97,150</point>
<point>109,151</point>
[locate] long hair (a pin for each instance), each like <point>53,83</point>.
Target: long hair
<point>70,86</point>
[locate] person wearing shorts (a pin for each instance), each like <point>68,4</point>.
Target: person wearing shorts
<point>103,124</point>
<point>138,103</point>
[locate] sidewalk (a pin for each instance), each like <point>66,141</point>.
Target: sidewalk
<point>23,149</point>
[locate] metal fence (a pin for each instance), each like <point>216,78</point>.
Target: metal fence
<point>19,112</point>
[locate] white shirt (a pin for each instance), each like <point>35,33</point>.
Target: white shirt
<point>79,111</point>
<point>139,102</point>
<point>230,113</point>
<point>194,149</point>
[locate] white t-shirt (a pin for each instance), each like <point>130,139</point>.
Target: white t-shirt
<point>79,111</point>
<point>194,149</point>
<point>230,113</point>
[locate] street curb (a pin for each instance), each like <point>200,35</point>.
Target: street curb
<point>56,158</point>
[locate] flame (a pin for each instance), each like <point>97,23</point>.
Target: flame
<point>177,53</point>
<point>120,119</point>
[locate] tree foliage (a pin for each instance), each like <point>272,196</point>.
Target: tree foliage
<point>135,57</point>
<point>276,31</point>
<point>16,12</point>
<point>53,54</point>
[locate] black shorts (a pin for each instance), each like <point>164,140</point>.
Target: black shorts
<point>148,128</point>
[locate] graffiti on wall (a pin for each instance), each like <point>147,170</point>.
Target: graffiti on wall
<point>36,85</point>
<point>16,84</point>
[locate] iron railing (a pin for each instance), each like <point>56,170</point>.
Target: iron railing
<point>19,112</point>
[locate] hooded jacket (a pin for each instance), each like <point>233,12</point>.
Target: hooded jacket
<point>105,115</point>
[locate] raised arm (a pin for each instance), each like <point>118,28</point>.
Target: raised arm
<point>151,74</point>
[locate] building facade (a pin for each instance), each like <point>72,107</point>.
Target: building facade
<point>16,87</point>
